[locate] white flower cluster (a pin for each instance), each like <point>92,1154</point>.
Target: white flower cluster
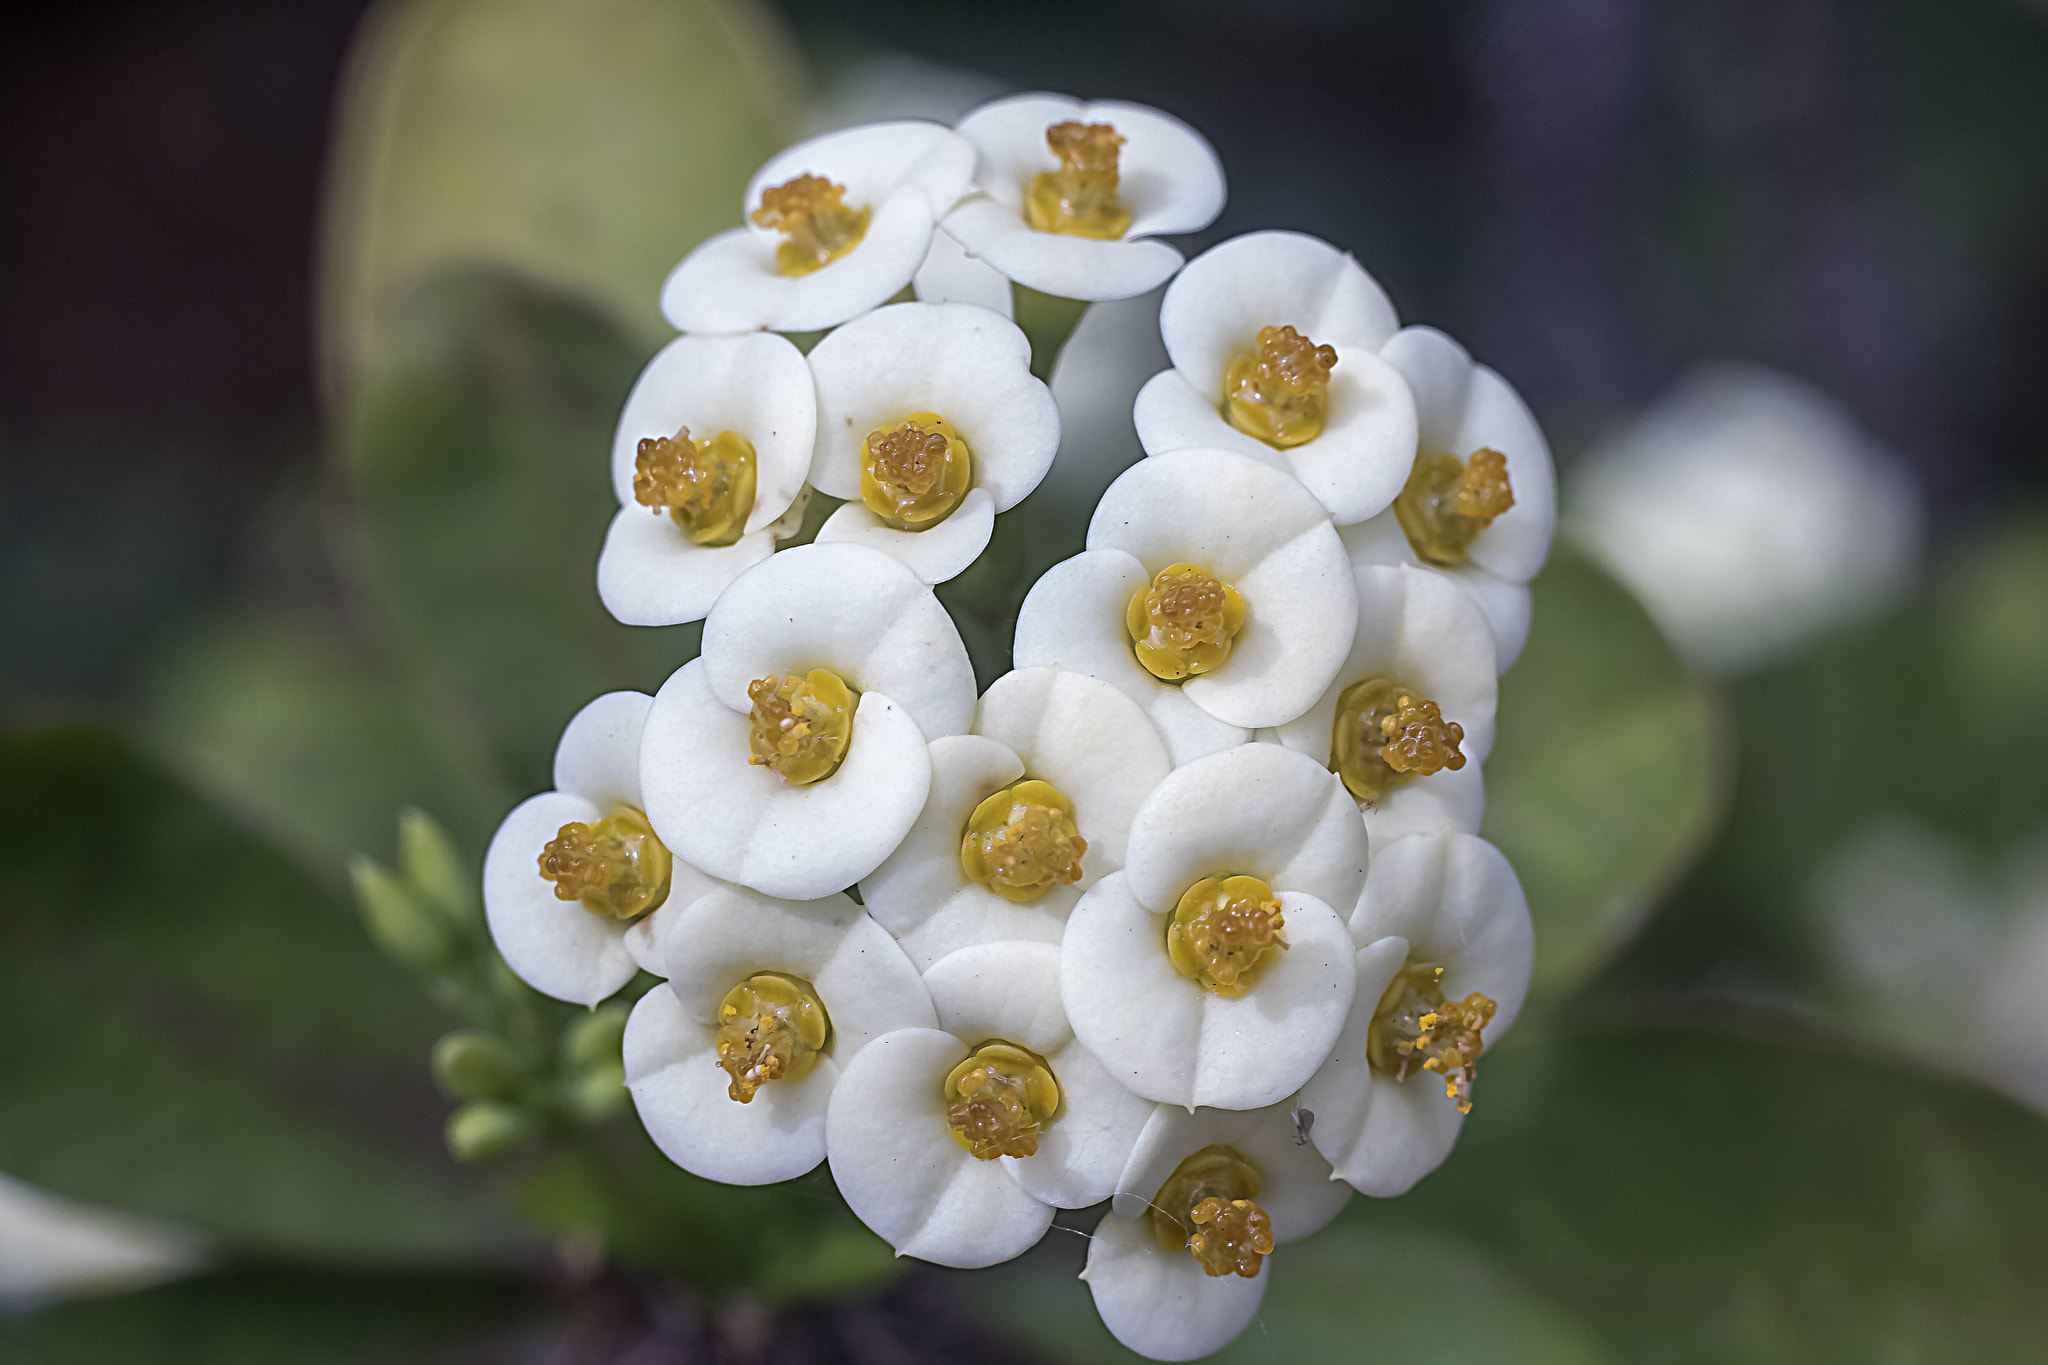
<point>1188,913</point>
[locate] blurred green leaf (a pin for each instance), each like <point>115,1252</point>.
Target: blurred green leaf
<point>193,1029</point>
<point>585,143</point>
<point>482,449</point>
<point>795,1242</point>
<point>1606,778</point>
<point>315,741</point>
<point>266,1317</point>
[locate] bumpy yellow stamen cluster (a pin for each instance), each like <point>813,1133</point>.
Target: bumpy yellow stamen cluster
<point>615,867</point>
<point>812,212</point>
<point>801,725</point>
<point>706,486</point>
<point>914,474</point>
<point>1449,501</point>
<point>1223,930</point>
<point>1279,392</point>
<point>1021,842</point>
<point>1183,622</point>
<point>1384,732</point>
<point>771,1027</point>
<point>1079,198</point>
<point>1416,1028</point>
<point>999,1101</point>
<point>1206,1208</point>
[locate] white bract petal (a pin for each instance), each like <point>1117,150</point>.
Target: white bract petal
<point>853,610</point>
<point>950,275</point>
<point>1161,1301</point>
<point>1261,532</point>
<point>1214,309</point>
<point>1456,799</point>
<point>1073,617</point>
<point>1259,810</point>
<point>902,1172</point>
<point>908,174</point>
<point>1167,1038</point>
<point>934,554</point>
<point>864,982</point>
<point>1416,629</point>
<point>1448,899</point>
<point>558,947</point>
<point>1079,734</point>
<point>965,364</point>
<point>756,386</point>
<point>741,822</point>
<point>1168,178</point>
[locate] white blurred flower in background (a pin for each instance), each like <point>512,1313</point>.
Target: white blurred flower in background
<point>51,1248</point>
<point>1749,514</point>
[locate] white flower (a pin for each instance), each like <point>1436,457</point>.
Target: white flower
<point>767,999</point>
<point>1156,1292</point>
<point>1215,969</point>
<point>583,947</point>
<point>1749,514</point>
<point>1240,525</point>
<point>1446,900</point>
<point>1036,726</point>
<point>950,275</point>
<point>904,176</point>
<point>1463,408</point>
<point>1161,178</point>
<point>661,567</point>
<point>925,490</point>
<point>1418,636</point>
<point>793,647</point>
<point>956,1144</point>
<point>1274,338</point>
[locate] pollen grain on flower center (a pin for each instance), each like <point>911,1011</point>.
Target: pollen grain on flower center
<point>1223,931</point>
<point>615,867</point>
<point>1448,501</point>
<point>706,486</point>
<point>1385,732</point>
<point>1022,841</point>
<point>913,475</point>
<point>1207,1208</point>
<point>1000,1100</point>
<point>800,725</point>
<point>812,214</point>
<point>771,1027</point>
<point>1184,622</point>
<point>1279,392</point>
<point>1415,1028</point>
<point>1080,198</point>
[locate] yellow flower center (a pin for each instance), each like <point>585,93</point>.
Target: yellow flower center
<point>802,725</point>
<point>1183,622</point>
<point>1079,199</point>
<point>812,213</point>
<point>1021,842</point>
<point>1000,1100</point>
<point>1279,391</point>
<point>913,475</point>
<point>707,486</point>
<point>1205,1208</point>
<point>1449,501</point>
<point>1223,931</point>
<point>616,867</point>
<point>1384,733</point>
<point>1416,1029</point>
<point>771,1027</point>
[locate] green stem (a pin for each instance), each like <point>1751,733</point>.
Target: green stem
<point>1048,321</point>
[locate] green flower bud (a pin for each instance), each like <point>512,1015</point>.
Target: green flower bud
<point>396,920</point>
<point>597,1094</point>
<point>595,1038</point>
<point>473,1065</point>
<point>429,861</point>
<point>478,1132</point>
